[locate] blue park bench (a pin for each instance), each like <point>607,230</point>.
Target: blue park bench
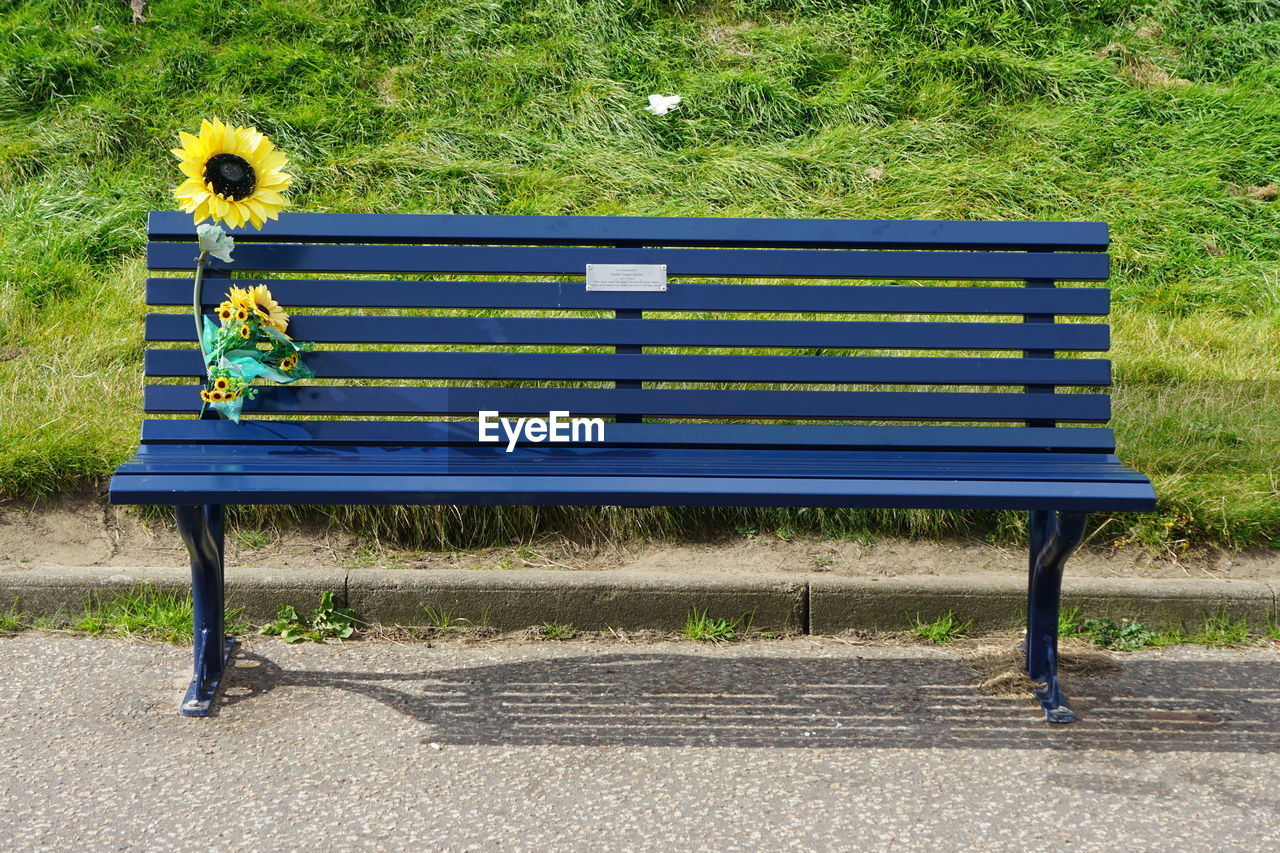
<point>697,410</point>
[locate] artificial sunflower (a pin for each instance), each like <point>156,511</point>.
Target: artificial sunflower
<point>259,300</point>
<point>288,363</point>
<point>234,175</point>
<point>221,383</point>
<point>225,312</point>
<point>246,332</point>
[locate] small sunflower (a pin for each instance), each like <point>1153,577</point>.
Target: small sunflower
<point>259,300</point>
<point>246,332</point>
<point>225,312</point>
<point>233,175</point>
<point>242,314</point>
<point>289,362</point>
<point>204,395</point>
<point>221,383</point>
<point>216,396</point>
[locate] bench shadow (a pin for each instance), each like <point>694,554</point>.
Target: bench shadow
<point>637,699</point>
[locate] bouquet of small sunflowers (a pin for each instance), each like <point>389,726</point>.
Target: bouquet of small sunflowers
<point>235,175</point>
<point>250,342</point>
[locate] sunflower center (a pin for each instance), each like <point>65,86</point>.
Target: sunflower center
<point>230,175</point>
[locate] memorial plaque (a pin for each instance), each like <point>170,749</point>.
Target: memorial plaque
<point>627,277</point>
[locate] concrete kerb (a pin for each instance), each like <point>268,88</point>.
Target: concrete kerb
<point>588,600</point>
<point>60,591</point>
<point>840,603</point>
<point>596,600</point>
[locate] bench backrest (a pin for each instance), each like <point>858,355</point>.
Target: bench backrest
<point>521,346</point>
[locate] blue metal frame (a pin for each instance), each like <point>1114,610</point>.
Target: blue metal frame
<point>201,529</point>
<point>1054,536</point>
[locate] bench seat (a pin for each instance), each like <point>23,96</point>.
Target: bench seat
<point>398,474</point>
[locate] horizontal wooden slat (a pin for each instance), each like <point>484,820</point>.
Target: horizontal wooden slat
<point>850,437</point>
<point>675,368</point>
<point>630,491</point>
<point>558,331</point>
<point>783,405</point>
<point>679,296</point>
<point>744,263</point>
<point>540,459</point>
<point>649,230</point>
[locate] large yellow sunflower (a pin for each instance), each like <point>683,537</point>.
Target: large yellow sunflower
<point>233,175</point>
<point>259,300</point>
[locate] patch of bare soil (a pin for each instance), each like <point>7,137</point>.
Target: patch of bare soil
<point>83,531</point>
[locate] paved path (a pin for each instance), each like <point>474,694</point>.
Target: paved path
<point>806,744</point>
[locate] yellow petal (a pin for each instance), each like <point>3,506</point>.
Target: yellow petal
<point>275,181</point>
<point>256,207</point>
<point>273,162</point>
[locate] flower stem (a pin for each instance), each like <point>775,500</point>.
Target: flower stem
<point>199,318</point>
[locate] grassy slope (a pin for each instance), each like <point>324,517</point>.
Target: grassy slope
<point>1155,118</point>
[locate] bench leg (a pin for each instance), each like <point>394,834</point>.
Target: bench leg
<point>201,530</point>
<point>1054,535</point>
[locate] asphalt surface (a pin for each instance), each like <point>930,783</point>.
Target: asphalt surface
<point>804,744</point>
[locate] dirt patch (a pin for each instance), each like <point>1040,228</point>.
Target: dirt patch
<point>1141,70</point>
<point>83,531</point>
<point>998,663</point>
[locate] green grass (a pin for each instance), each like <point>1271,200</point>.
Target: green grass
<point>1221,630</point>
<point>146,611</point>
<point>253,540</point>
<point>12,620</point>
<point>702,627</point>
<point>1157,118</point>
<point>447,619</point>
<point>558,631</point>
<point>944,629</point>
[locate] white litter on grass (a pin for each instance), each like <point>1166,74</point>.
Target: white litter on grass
<point>660,105</point>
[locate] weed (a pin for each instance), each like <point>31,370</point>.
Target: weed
<point>944,629</point>
<point>251,539</point>
<point>443,619</point>
<point>1126,635</point>
<point>146,611</point>
<point>558,631</point>
<point>12,619</point>
<point>700,626</point>
<point>324,622</point>
<point>1220,630</point>
<point>1068,621</point>
<point>1273,630</point>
